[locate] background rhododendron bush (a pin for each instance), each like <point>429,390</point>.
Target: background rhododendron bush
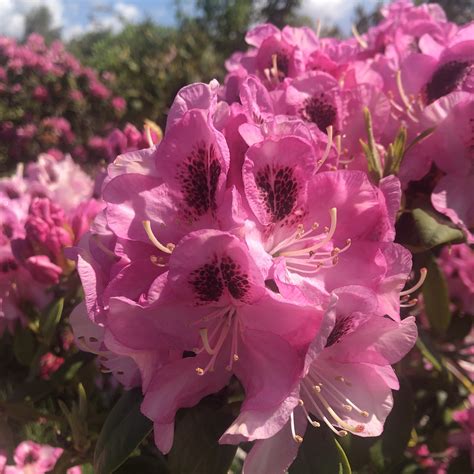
<point>282,280</point>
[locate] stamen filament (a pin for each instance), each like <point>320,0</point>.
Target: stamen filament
<point>401,90</point>
<point>318,28</point>
<point>329,131</point>
<point>234,357</point>
<point>297,438</point>
<point>205,341</point>
<point>423,273</point>
<point>327,238</point>
<point>215,314</point>
<point>336,417</point>
<point>166,249</point>
<point>339,395</point>
<point>149,138</point>
<point>358,37</point>
<point>325,419</point>
<point>313,423</point>
<point>214,351</point>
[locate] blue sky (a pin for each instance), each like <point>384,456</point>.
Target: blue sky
<point>78,16</point>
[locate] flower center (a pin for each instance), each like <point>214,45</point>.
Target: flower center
<point>8,265</point>
<point>306,251</point>
<point>319,110</point>
<point>213,341</point>
<point>31,458</point>
<point>324,399</point>
<point>446,79</point>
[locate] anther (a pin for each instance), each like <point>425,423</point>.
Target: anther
<point>199,371</point>
<point>317,388</point>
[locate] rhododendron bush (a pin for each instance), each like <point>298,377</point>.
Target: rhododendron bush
<point>281,281</point>
<point>50,102</point>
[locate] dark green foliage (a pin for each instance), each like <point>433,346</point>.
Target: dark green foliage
<point>39,20</point>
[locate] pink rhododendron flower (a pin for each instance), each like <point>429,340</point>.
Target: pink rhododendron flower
<point>217,302</point>
<point>348,380</point>
<point>226,247</point>
<point>119,104</point>
<point>49,364</point>
<point>33,458</point>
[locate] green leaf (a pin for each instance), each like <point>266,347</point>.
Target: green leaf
<point>144,465</point>
<point>436,295</point>
<point>420,137</point>
<point>195,448</point>
<point>320,453</point>
<point>396,151</point>
<point>399,424</point>
<point>123,430</point>
<point>370,149</point>
<point>422,229</point>
<point>346,467</point>
<point>50,320</point>
<point>430,355</point>
<point>24,346</point>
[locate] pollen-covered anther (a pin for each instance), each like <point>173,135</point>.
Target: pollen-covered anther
<point>168,248</point>
<point>199,371</point>
<point>348,408</point>
<point>317,388</point>
<point>364,413</point>
<point>298,439</point>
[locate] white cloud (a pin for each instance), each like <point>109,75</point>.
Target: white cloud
<point>128,11</point>
<point>13,14</point>
<point>113,19</point>
<point>337,12</point>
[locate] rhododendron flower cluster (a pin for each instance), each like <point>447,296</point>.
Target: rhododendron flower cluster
<point>44,208</point>
<point>290,261</point>
<point>257,261</point>
<point>39,83</point>
<point>33,458</point>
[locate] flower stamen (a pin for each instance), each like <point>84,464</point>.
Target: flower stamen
<point>168,248</point>
<point>418,284</point>
<point>298,439</point>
